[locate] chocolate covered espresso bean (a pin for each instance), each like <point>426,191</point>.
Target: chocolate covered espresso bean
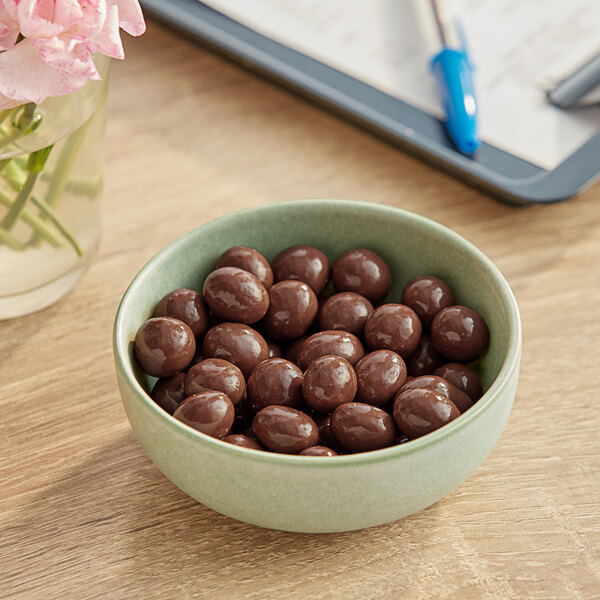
<point>187,306</point>
<point>216,374</point>
<point>302,263</point>
<point>361,427</point>
<point>250,260</point>
<point>169,392</point>
<point>393,327</point>
<point>427,295</point>
<point>380,376</point>
<point>328,382</point>
<point>236,343</point>
<point>210,412</point>
<point>362,271</point>
<point>345,311</point>
<point>163,346</point>
<point>425,359</point>
<point>326,438</point>
<point>274,349</point>
<point>459,333</point>
<point>432,382</point>
<point>336,343</point>
<point>462,377</point>
<point>284,429</point>
<point>275,381</point>
<point>236,295</point>
<point>318,451</point>
<point>420,411</point>
<point>238,439</point>
<point>293,307</point>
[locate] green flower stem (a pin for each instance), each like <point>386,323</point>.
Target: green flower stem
<point>14,176</point>
<point>49,213</point>
<point>65,164</point>
<point>26,120</point>
<point>10,240</point>
<point>60,177</point>
<point>41,227</point>
<point>4,114</point>
<point>10,218</point>
<point>85,188</point>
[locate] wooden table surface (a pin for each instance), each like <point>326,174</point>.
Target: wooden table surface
<point>85,514</point>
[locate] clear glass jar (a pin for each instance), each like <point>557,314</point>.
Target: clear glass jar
<point>51,179</point>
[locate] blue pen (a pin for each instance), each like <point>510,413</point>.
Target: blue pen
<point>455,77</point>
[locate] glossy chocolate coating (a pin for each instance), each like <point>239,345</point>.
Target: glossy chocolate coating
<point>461,400</point>
<point>238,439</point>
<point>361,427</point>
<point>346,311</point>
<point>198,355</point>
<point>337,343</point>
<point>393,327</point>
<point>294,348</point>
<point>328,382</point>
<point>237,343</point>
<point>427,295</point>
<point>274,349</point>
<point>169,393</point>
<point>275,381</point>
<point>420,411</point>
<point>243,416</point>
<point>318,451</point>
<point>285,429</point>
<point>425,359</point>
<point>380,376</point>
<point>216,374</point>
<point>364,272</point>
<point>459,333</point>
<point>293,307</point>
<point>326,437</point>
<point>250,260</point>
<point>249,432</point>
<point>187,306</point>
<point>210,412</point>
<point>163,346</point>
<point>236,295</point>
<point>462,377</point>
<point>303,263</point>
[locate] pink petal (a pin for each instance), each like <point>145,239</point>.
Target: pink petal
<point>94,16</point>
<point>35,18</point>
<point>108,41</point>
<point>6,102</point>
<point>25,77</point>
<point>11,8</point>
<point>67,13</point>
<point>131,18</point>
<point>9,29</point>
<point>68,55</point>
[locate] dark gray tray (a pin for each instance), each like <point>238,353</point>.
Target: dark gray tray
<point>499,173</point>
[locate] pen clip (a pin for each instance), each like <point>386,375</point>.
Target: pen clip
<point>463,43</point>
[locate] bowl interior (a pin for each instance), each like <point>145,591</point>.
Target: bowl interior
<point>412,245</point>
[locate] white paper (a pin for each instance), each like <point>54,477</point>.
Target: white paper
<point>519,49</point>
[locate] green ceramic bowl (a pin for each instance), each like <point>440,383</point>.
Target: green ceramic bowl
<point>325,494</point>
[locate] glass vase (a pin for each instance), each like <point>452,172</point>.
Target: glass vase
<point>51,177</point>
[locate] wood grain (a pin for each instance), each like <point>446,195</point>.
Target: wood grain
<point>85,514</point>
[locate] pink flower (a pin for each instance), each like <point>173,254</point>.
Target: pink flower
<point>58,39</point>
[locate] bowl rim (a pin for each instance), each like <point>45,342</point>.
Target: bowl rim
<point>509,366</point>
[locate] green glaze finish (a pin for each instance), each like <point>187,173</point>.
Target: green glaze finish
<point>325,494</point>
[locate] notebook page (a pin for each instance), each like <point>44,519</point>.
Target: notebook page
<point>519,48</point>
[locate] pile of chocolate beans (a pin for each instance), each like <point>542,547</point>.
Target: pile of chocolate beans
<point>298,357</point>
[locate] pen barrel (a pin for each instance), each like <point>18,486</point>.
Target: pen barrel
<point>454,75</point>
